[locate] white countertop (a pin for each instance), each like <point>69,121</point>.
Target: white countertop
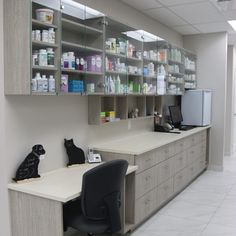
<point>61,185</point>
<point>144,142</point>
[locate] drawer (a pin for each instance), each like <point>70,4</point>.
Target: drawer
<point>164,170</point>
<point>191,171</point>
<point>180,180</point>
<point>192,140</point>
<point>146,160</point>
<point>145,181</point>
<point>191,154</point>
<point>202,136</point>
<point>145,205</point>
<point>180,161</point>
<point>165,191</point>
<point>180,146</point>
<point>201,149</point>
<point>200,165</point>
<point>165,152</point>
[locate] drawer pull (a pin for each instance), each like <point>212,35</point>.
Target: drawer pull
<point>147,160</point>
<point>166,167</point>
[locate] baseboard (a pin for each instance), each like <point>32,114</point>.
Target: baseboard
<point>215,167</point>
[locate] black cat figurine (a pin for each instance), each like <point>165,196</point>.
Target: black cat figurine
<point>75,154</point>
<point>29,167</point>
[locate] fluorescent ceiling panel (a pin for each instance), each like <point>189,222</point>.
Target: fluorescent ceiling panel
<point>142,35</point>
<point>233,24</point>
<point>79,10</point>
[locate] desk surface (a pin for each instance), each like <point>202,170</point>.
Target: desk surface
<point>144,142</point>
<point>60,185</point>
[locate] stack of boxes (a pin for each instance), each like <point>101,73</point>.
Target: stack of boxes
<point>108,116</point>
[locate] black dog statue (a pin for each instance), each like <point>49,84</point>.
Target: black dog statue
<point>75,154</point>
<point>28,169</point>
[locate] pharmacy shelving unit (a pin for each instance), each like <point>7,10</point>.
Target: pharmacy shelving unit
<point>83,34</point>
<point>36,46</point>
<point>190,75</point>
<point>123,59</point>
<point>90,34</point>
<point>175,80</point>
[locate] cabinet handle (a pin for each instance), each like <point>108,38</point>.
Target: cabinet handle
<point>147,160</point>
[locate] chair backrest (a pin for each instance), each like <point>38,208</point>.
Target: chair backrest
<point>98,185</point>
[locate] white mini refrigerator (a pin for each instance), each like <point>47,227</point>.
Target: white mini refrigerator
<point>196,107</point>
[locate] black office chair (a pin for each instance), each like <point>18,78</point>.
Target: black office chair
<point>97,209</point>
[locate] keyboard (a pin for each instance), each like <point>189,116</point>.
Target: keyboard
<point>186,127</point>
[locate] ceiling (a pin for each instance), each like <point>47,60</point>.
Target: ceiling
<point>190,16</point>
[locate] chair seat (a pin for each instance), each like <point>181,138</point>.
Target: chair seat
<point>83,224</point>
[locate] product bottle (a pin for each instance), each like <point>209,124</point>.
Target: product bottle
<point>43,59</point>
<point>39,82</point>
<point>44,83</point>
<point>51,84</point>
<point>71,60</point>
<point>50,57</point>
<point>51,35</point>
<point>34,82</point>
<point>118,84</point>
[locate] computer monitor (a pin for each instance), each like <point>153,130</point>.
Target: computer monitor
<point>175,115</point>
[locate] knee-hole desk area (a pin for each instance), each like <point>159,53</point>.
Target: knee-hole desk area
<point>37,207</point>
<point>161,165</point>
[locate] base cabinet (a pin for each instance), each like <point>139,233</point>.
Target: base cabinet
<point>165,171</point>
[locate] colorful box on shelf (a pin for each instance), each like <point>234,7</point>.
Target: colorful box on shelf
<point>110,116</point>
<point>76,86</point>
<point>103,117</point>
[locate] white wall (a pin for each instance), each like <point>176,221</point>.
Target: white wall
<point>48,120</point>
<point>211,52</point>
<point>229,124</point>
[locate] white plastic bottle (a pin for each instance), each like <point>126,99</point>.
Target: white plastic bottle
<point>51,84</point>
<point>44,83</point>
<point>34,86</point>
<point>118,84</point>
<point>39,82</point>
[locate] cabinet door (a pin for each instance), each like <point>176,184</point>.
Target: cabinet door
<point>146,160</point>
<point>145,181</point>
<point>165,191</point>
<point>165,170</point>
<point>145,205</point>
<point>17,44</point>
<point>180,161</point>
<point>180,180</point>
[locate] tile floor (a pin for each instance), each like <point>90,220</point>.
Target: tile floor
<point>206,208</point>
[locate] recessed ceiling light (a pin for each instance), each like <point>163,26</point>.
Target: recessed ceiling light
<point>232,23</point>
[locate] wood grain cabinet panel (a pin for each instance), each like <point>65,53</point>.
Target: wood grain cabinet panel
<point>180,161</point>
<point>180,180</point>
<point>145,206</point>
<point>145,181</point>
<point>146,160</point>
<point>165,191</point>
<point>165,170</point>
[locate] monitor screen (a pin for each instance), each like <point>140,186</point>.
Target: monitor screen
<point>175,115</point>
